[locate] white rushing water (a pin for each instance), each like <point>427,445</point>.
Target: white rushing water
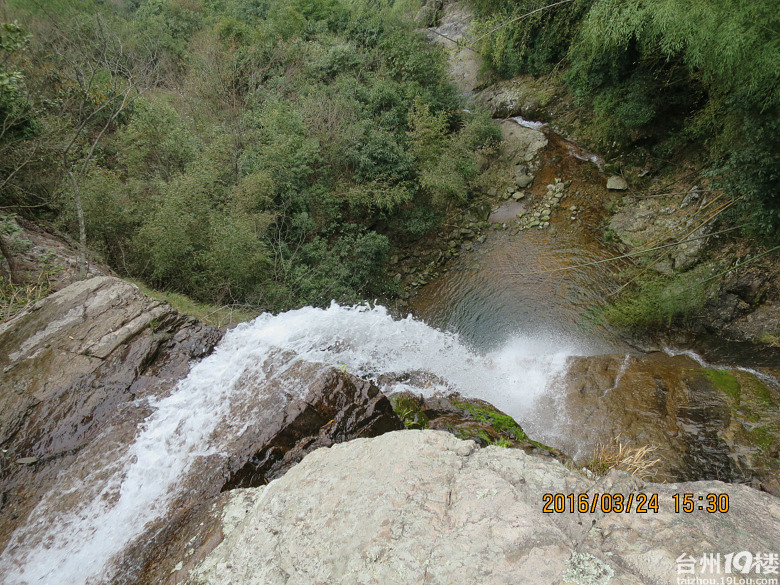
<point>529,123</point>
<point>129,486</point>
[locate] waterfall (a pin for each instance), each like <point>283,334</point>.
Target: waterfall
<point>115,490</point>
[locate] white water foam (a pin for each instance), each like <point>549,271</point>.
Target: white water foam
<point>135,487</point>
<point>765,378</point>
<point>529,123</point>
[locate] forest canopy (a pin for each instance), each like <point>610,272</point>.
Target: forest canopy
<point>256,151</point>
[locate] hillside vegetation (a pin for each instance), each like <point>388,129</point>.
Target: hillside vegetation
<point>661,74</point>
<point>255,151</point>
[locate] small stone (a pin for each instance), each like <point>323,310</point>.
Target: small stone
<point>397,277</point>
<point>524,180</point>
<point>573,208</point>
<point>518,196</point>
<point>617,183</point>
<point>511,190</point>
<point>27,460</point>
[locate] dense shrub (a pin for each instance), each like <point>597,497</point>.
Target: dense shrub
<point>250,150</point>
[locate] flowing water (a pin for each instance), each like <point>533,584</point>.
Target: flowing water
<point>500,329</point>
<point>113,493</point>
<point>536,284</point>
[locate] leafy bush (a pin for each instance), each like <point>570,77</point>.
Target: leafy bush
<point>662,70</point>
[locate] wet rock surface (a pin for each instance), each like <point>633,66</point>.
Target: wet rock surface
<point>336,407</point>
<point>83,368</point>
<point>69,366</point>
<point>296,411</point>
<point>425,507</point>
<point>706,423</point>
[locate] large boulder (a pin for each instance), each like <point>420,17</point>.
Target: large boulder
<point>521,144</point>
<point>425,507</point>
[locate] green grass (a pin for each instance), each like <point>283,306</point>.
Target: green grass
<point>211,314</point>
<point>656,301</point>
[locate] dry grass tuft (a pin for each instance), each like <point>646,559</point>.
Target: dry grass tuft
<point>15,298</point>
<point>638,461</point>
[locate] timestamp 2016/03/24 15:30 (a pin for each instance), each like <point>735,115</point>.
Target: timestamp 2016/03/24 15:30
<point>638,503</point>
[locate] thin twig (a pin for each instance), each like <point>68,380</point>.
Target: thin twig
<point>629,255</point>
<point>507,23</point>
<point>741,264</point>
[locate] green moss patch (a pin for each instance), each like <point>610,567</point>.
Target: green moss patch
<point>725,381</point>
<point>501,423</point>
<point>763,437</point>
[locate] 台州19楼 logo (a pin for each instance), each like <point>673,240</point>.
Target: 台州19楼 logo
<point>741,568</point>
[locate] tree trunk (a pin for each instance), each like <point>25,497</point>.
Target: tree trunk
<point>82,225</point>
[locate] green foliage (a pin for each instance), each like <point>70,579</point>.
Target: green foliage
<point>15,112</point>
<point>535,44</point>
<point>273,152</point>
<point>155,143</point>
<point>409,412</point>
<point>664,73</point>
<point>657,301</point>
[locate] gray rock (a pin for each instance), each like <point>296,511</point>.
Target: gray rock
<point>521,144</point>
<point>425,507</point>
<point>692,196</point>
<point>617,183</point>
<point>524,180</point>
<point>687,255</point>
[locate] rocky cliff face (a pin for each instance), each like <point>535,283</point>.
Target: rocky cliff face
<point>70,363</point>
<point>425,507</point>
<point>704,423</point>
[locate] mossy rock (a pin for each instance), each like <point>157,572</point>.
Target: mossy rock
<point>468,419</point>
<point>409,410</point>
<point>724,381</point>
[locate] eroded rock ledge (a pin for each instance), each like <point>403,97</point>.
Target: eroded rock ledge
<point>68,364</point>
<point>426,507</point>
